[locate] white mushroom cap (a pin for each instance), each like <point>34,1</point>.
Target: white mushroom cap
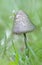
<point>22,23</point>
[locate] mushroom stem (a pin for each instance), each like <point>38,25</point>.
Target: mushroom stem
<point>25,39</point>
<point>27,49</point>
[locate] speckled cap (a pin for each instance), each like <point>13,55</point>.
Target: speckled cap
<point>22,23</point>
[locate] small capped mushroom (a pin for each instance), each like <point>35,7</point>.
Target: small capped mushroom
<point>22,25</point>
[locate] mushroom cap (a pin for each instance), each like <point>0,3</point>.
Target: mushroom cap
<point>22,23</point>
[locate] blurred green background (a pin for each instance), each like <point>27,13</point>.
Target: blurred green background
<point>15,54</point>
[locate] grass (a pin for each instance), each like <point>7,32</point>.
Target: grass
<point>16,54</point>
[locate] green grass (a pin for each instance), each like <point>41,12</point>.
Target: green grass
<point>16,54</point>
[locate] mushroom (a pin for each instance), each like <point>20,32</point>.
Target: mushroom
<point>22,25</point>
